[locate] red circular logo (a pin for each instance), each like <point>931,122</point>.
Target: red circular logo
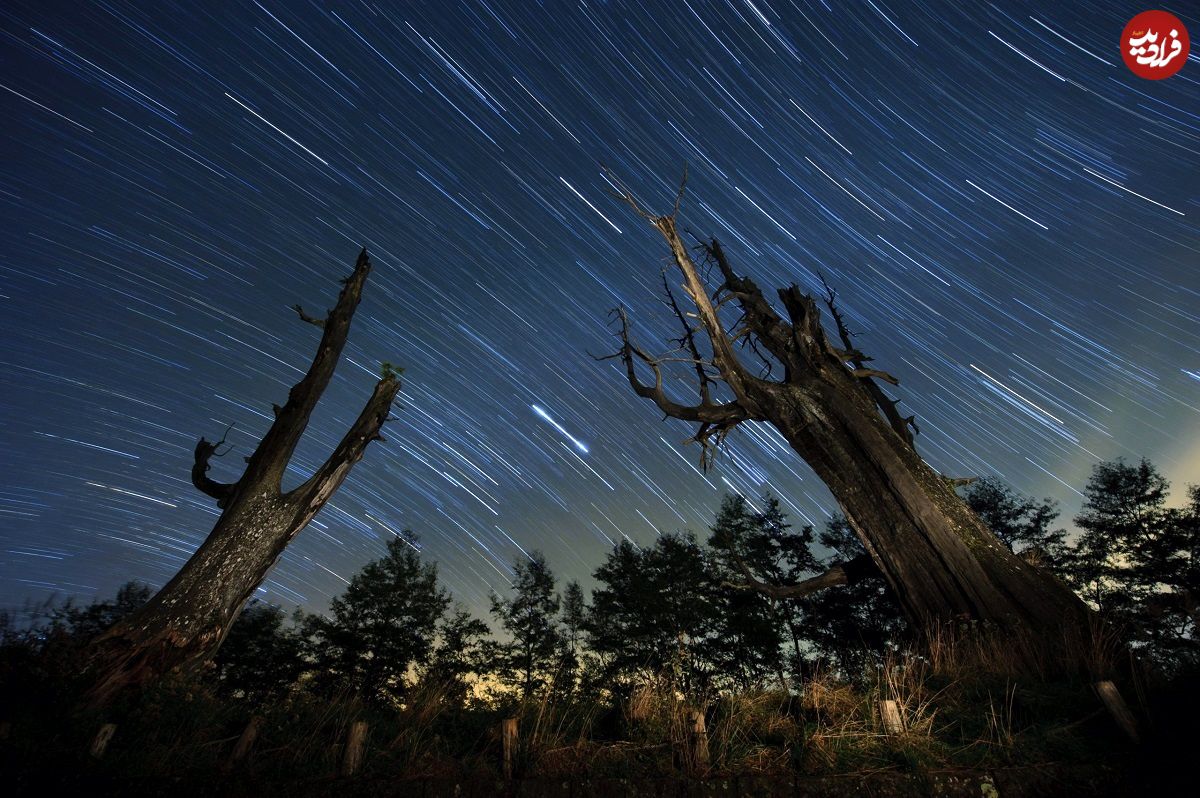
<point>1154,45</point>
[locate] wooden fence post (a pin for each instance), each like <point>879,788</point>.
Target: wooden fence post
<point>1118,708</point>
<point>508,742</point>
<point>101,740</point>
<point>699,739</point>
<point>244,743</point>
<point>352,756</point>
<point>893,718</point>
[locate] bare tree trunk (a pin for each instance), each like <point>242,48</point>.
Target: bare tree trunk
<point>940,559</point>
<point>182,626</point>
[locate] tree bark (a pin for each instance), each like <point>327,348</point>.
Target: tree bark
<point>940,559</point>
<point>183,625</point>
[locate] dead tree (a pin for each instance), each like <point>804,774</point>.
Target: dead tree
<point>940,559</point>
<point>182,626</point>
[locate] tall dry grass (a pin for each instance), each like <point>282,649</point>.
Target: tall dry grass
<point>964,698</point>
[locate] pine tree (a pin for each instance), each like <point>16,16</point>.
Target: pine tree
<point>1124,512</point>
<point>383,625</point>
<point>755,625</point>
<point>260,658</point>
<point>1138,560</point>
<point>572,618</point>
<point>1020,522</point>
<point>856,626</point>
<point>460,652</point>
<point>527,661</point>
<point>654,613</point>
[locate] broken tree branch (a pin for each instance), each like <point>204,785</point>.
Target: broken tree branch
<point>275,450</point>
<point>706,412</point>
<point>758,315</point>
<point>317,489</point>
<point>845,573</point>
<point>867,374</point>
<point>900,424</point>
<point>304,317</point>
<point>688,339</point>
<point>205,451</point>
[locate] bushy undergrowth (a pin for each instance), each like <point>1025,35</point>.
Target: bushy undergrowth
<point>957,703</point>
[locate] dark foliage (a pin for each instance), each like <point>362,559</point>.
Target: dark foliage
<point>1022,523</point>
<point>654,611</point>
<point>260,658</point>
<point>528,660</point>
<point>381,627</point>
<point>1136,560</point>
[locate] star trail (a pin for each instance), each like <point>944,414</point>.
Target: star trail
<point>1008,213</point>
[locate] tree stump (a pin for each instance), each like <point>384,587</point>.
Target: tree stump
<point>893,718</point>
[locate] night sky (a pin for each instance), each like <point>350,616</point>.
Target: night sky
<point>1009,214</point>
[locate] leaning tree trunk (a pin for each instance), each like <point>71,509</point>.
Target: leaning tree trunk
<point>940,559</point>
<point>182,626</point>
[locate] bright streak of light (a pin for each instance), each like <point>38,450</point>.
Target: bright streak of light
<point>546,416</point>
<point>1006,205</point>
<point>590,205</point>
<point>276,129</point>
<point>992,379</point>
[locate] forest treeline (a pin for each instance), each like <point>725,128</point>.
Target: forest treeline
<point>675,611</point>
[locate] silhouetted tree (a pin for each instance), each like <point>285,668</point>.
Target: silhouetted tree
<point>572,619</point>
<point>1124,510</point>
<point>182,626</point>
<point>460,652</point>
<point>653,612</point>
<point>382,626</point>
<point>85,623</point>
<point>753,625</point>
<point>574,614</point>
<point>940,560</point>
<point>1020,522</point>
<point>1171,563</point>
<point>1136,559</point>
<point>261,655</point>
<point>854,627</point>
<point>528,659</point>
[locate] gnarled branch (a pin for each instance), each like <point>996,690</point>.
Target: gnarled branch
<point>724,357</point>
<point>221,491</point>
<point>716,420</point>
<point>304,317</point>
<point>868,374</point>
<point>705,412</point>
<point>900,424</point>
<point>845,573</point>
<point>688,340</point>
<point>758,315</point>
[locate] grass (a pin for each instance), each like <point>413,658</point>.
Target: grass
<point>964,707</point>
